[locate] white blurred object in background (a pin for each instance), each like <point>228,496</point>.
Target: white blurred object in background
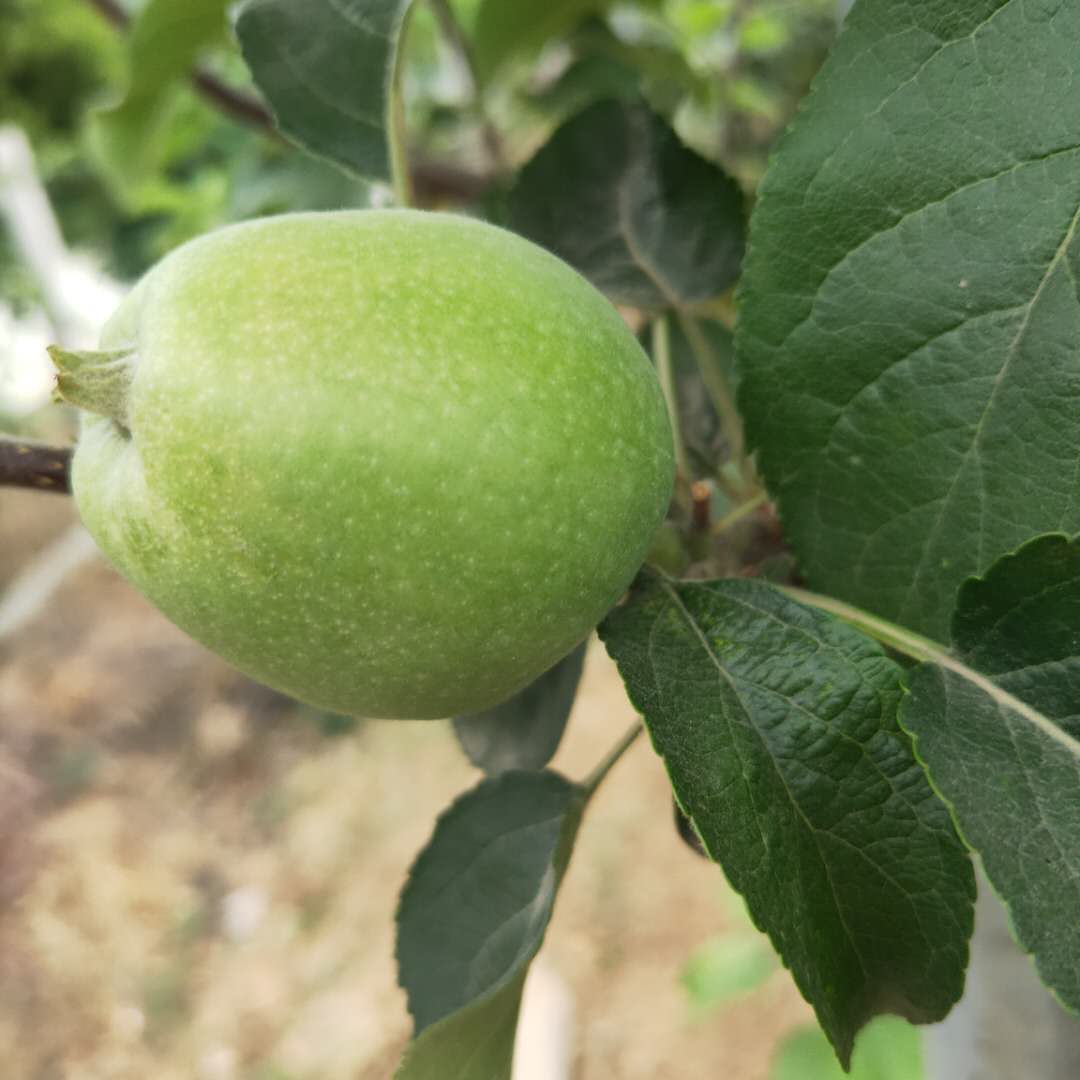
<point>26,375</point>
<point>544,1046</point>
<point>77,297</point>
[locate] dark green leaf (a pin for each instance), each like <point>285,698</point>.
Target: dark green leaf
<point>778,728</point>
<point>1020,624</point>
<point>473,915</point>
<point>616,195</point>
<point>326,67</point>
<point>910,323</point>
<point>164,42</point>
<point>524,732</point>
<point>999,753</point>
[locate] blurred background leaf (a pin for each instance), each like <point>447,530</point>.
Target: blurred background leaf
<point>887,1049</point>
<point>503,32</point>
<point>727,968</point>
<point>163,42</point>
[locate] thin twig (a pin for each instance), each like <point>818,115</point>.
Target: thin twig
<point>597,776</point>
<point>32,465</point>
<point>733,517</point>
<point>433,181</point>
<point>112,10</point>
<point>700,506</point>
<point>234,103</point>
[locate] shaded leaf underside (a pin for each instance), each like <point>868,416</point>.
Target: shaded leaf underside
<point>524,732</point>
<point>648,221</point>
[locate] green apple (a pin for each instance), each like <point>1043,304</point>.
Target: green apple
<point>392,463</point>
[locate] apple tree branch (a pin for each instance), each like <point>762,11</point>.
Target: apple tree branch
<point>35,466</point>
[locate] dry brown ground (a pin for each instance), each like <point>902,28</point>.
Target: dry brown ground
<point>197,881</point>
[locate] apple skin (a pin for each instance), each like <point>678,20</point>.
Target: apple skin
<point>392,463</point>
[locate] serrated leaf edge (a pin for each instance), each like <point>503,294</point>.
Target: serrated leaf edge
<point>844,1051</point>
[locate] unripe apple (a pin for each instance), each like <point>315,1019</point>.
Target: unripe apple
<point>393,463</point>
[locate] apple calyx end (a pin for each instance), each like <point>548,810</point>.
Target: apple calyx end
<point>97,381</point>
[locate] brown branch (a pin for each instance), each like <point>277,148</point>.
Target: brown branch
<point>434,181</point>
<point>113,11</point>
<point>234,103</point>
<point>32,465</point>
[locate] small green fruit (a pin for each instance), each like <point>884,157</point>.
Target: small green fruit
<point>392,463</point>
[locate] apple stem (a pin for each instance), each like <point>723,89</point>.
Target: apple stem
<point>99,382</point>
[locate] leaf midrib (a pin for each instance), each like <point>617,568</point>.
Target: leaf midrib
<point>690,621</point>
<point>977,434</point>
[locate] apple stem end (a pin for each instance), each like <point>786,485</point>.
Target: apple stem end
<point>99,382</point>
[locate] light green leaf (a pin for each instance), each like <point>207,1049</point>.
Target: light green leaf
<point>887,1049</point>
<point>763,33</point>
<point>699,18</point>
<point>473,915</point>
<point>505,30</point>
<point>778,728</point>
<point>648,221</point>
<point>502,31</point>
<point>1011,772</point>
<point>524,732</point>
<point>910,326</point>
<point>726,968</point>
<point>327,68</point>
<point>164,41</point>
<point>806,1055</point>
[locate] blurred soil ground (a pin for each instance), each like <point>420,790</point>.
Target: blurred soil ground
<point>198,878</point>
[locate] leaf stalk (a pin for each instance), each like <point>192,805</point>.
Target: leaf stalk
<point>927,651</point>
<point>745,509</point>
<point>397,136</point>
<point>599,774</point>
<point>661,350</point>
<point>723,400</point>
